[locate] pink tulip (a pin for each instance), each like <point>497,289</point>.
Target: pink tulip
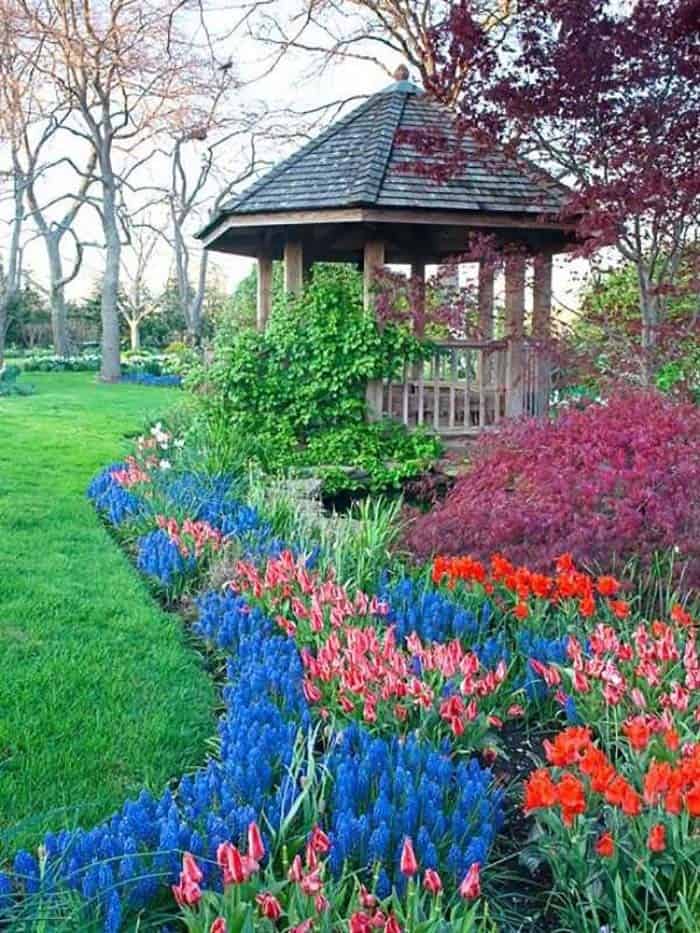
<point>256,849</point>
<point>190,868</point>
<point>295,872</point>
<point>231,864</point>
<point>432,881</point>
<point>219,926</point>
<point>470,887</point>
<point>270,907</point>
<point>409,863</point>
<point>187,893</point>
<point>311,883</point>
<point>319,841</point>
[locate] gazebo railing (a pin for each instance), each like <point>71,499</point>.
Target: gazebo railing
<point>465,387</point>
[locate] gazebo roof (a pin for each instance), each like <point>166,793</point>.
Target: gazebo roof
<point>361,161</point>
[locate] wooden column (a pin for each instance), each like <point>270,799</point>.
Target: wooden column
<point>515,329</point>
<point>541,328</point>
<point>293,267</point>
<point>486,322</point>
<point>264,298</point>
<point>542,297</point>
<point>373,259</point>
<point>418,274</point>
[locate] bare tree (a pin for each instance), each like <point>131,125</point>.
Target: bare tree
<point>11,274</point>
<point>15,74</point>
<point>380,33</point>
<point>188,188</point>
<point>137,302</point>
<point>52,231</point>
<point>125,75</point>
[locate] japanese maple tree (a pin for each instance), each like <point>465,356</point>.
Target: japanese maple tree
<point>607,96</point>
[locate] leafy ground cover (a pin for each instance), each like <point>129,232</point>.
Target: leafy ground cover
<point>99,694</point>
<point>361,774</point>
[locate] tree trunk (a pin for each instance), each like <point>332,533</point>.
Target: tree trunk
<point>649,310</point>
<point>194,315</point>
<point>57,299</point>
<point>10,286</point>
<point>135,334</point>
<point>109,311</point>
<point>3,327</point>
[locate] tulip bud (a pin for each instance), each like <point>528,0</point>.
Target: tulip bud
<point>256,848</point>
<point>296,872</point>
<point>409,863</point>
<point>432,881</point>
<point>470,887</point>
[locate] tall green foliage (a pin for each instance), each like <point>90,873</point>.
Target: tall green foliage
<point>295,395</point>
<point>607,331</point>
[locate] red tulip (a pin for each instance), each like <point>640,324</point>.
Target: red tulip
<point>392,925</point>
<point>657,838</point>
<point>409,863</point>
<point>360,923</point>
<point>367,899</point>
<point>270,907</point>
<point>256,849</point>
<point>432,881</point>
<point>231,864</point>
<point>219,926</point>
<point>319,841</point>
<point>605,846</point>
<point>470,887</point>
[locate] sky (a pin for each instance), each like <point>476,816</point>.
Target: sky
<point>292,85</point>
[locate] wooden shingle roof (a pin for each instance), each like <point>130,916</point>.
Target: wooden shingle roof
<point>361,161</point>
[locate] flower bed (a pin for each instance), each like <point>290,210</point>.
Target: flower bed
<point>152,379</point>
<point>358,777</point>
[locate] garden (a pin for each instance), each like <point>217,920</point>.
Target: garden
<point>476,711</point>
<point>350,599</point>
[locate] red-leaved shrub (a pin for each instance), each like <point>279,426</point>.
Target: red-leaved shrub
<point>611,481</point>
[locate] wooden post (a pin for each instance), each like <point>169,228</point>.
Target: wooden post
<point>418,273</point>
<point>541,328</point>
<point>293,267</point>
<point>486,322</point>
<point>264,302</point>
<point>515,328</point>
<point>373,258</point>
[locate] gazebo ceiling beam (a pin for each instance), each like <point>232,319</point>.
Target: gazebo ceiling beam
<point>387,216</point>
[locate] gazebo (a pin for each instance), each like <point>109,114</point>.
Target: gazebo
<point>346,196</point>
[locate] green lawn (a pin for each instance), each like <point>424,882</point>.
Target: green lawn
<point>99,692</point>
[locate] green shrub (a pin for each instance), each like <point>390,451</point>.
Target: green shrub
<point>9,384</point>
<point>294,396</point>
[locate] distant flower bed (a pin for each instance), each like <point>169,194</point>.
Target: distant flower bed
<point>149,379</point>
<point>362,756</point>
<point>607,482</point>
<point>140,366</point>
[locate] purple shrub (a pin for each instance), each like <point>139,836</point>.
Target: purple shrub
<point>610,481</point>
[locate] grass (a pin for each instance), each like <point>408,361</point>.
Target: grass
<point>100,693</point>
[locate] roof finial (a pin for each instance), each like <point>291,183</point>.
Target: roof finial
<point>401,73</point>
